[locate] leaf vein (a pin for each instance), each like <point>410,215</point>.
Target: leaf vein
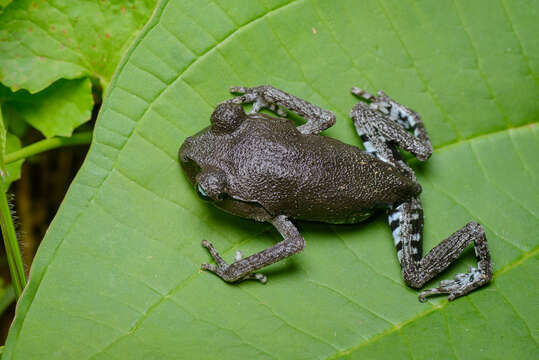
<point>349,299</point>
<point>454,199</point>
<point>517,36</point>
<point>517,313</point>
<point>234,332</point>
<point>447,119</point>
<point>298,329</point>
<point>495,184</point>
<point>478,65</point>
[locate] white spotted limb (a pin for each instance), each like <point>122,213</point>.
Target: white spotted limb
<point>382,123</point>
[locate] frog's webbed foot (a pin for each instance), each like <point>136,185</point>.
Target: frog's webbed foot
<point>222,269</point>
<point>255,96</point>
<point>266,96</point>
<point>460,285</point>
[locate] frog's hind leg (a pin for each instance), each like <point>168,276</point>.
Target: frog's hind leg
<point>266,96</point>
<point>389,121</point>
<point>406,221</point>
<point>243,268</point>
<point>381,132</point>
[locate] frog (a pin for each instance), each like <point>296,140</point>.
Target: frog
<point>265,168</point>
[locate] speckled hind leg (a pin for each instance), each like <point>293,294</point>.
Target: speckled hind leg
<point>406,221</point>
<point>382,125</point>
<point>266,96</point>
<point>242,269</point>
<point>383,120</point>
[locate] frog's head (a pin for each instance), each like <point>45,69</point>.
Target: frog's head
<point>205,158</point>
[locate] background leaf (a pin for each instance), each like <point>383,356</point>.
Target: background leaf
<point>4,3</point>
<point>43,43</point>
<point>57,110</point>
<point>117,274</point>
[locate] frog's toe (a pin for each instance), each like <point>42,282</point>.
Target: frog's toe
<point>209,267</point>
<point>238,256</point>
<point>361,93</point>
<point>214,254</point>
<point>460,285</point>
<point>257,276</point>
<point>238,89</point>
<point>219,270</point>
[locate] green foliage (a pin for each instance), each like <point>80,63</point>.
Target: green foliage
<point>9,237</point>
<point>117,275</point>
<point>44,41</point>
<point>4,3</point>
<point>43,44</point>
<point>57,110</point>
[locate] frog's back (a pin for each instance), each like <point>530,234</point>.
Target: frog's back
<point>312,177</point>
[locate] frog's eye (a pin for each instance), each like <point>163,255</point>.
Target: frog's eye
<point>227,117</point>
<point>211,184</point>
<point>202,193</point>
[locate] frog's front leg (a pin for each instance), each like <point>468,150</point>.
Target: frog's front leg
<point>266,96</point>
<point>242,269</point>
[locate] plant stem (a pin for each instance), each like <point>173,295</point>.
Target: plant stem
<point>13,252</point>
<point>48,144</point>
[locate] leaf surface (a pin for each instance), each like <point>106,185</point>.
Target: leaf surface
<point>117,276</point>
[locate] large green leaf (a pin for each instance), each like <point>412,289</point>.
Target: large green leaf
<point>117,275</point>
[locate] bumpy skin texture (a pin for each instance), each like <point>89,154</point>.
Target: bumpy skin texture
<point>264,168</point>
<point>267,161</point>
